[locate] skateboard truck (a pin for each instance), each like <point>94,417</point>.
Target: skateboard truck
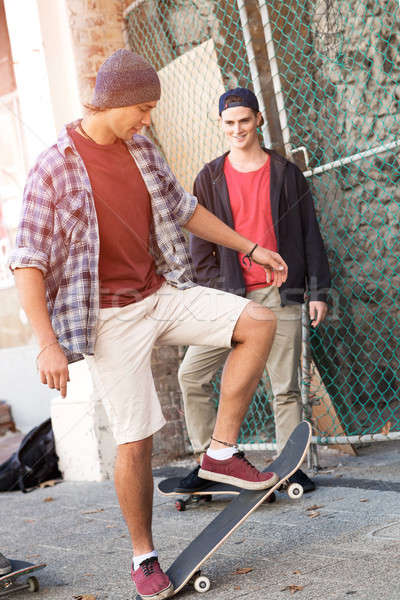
<point>9,583</point>
<point>182,503</point>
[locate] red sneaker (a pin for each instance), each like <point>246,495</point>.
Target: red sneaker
<point>151,582</point>
<point>236,471</point>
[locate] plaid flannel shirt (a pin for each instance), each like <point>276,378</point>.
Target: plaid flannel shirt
<point>58,234</point>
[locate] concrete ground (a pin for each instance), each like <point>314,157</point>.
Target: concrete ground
<point>341,541</point>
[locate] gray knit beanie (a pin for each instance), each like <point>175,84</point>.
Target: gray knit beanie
<point>124,79</point>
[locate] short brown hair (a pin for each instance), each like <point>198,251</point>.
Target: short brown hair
<point>92,108</point>
<point>231,99</point>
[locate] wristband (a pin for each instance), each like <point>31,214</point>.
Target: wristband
<point>246,259</point>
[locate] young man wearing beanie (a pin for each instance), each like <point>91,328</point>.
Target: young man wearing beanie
<point>103,271</point>
<point>266,198</point>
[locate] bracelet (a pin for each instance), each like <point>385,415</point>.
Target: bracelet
<point>225,443</point>
<point>42,350</point>
<point>247,260</point>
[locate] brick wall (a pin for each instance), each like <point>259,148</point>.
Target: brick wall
<point>97,31</point>
<point>170,442</point>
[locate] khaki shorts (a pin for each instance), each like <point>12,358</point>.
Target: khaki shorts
<point>121,364</point>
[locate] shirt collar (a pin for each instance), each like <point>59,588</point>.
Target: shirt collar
<point>64,141</point>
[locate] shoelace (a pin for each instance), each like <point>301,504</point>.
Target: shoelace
<point>148,565</point>
<point>241,455</point>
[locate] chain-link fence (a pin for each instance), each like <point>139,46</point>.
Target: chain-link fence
<point>198,50</point>
<point>327,74</point>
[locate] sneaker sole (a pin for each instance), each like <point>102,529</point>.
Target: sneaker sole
<point>167,593</point>
<point>242,483</point>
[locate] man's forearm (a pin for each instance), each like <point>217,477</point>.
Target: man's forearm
<point>32,294</point>
<point>207,226</point>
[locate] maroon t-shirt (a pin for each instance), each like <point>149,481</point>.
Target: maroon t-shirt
<point>126,268</point>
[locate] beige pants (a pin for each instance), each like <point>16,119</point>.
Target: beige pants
<point>202,363</point>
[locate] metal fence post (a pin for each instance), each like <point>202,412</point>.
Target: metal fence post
<point>255,75</point>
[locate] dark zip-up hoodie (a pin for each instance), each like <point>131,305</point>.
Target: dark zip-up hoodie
<point>296,229</point>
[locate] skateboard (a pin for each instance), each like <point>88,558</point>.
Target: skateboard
<point>9,583</point>
<point>167,487</point>
<point>186,568</point>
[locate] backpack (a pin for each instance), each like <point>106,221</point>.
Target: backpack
<point>35,461</point>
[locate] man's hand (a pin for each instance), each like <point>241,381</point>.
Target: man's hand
<point>318,311</point>
<point>207,226</point>
<point>274,265</point>
<point>53,368</point>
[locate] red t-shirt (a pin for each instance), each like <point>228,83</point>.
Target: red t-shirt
<point>249,195</point>
<point>126,268</point>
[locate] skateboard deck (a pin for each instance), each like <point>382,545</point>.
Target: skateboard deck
<point>187,566</point>
<point>20,568</point>
<point>167,487</point>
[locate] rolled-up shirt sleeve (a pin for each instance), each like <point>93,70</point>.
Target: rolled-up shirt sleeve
<point>181,204</point>
<point>36,226</point>
<point>184,209</point>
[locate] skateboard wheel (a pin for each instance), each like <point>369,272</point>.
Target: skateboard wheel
<point>33,584</point>
<point>202,584</point>
<point>295,491</point>
<point>208,498</point>
<point>180,505</point>
<point>271,498</point>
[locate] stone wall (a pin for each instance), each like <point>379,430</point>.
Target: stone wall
<point>164,31</point>
<point>340,78</point>
<point>362,208</point>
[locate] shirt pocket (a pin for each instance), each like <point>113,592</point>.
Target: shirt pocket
<point>73,217</point>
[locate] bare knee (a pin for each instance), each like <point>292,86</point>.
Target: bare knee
<point>255,321</point>
<point>137,450</point>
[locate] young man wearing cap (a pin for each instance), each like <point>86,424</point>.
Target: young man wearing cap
<point>266,198</point>
<point>103,271</point>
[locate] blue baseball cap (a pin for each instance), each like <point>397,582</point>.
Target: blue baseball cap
<point>247,98</point>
